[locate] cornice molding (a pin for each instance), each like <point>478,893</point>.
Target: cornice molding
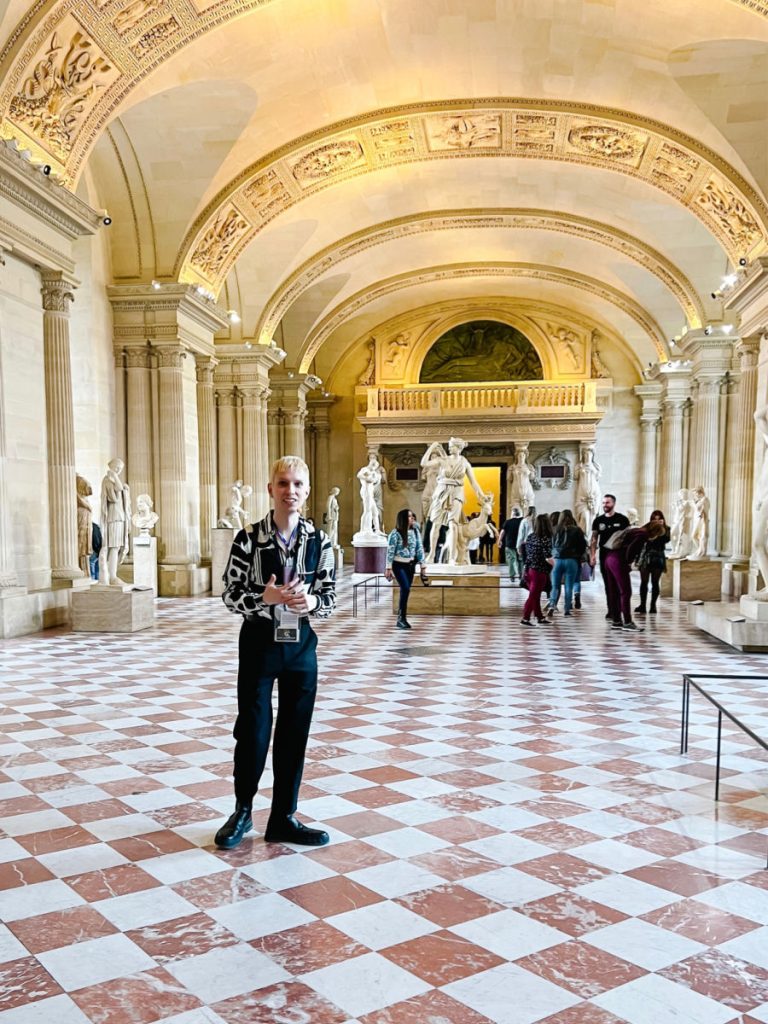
<point>352,305</point>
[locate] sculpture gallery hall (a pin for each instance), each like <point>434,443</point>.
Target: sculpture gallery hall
<point>383,512</point>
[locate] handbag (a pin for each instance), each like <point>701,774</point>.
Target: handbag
<point>524,580</point>
<point>586,572</point>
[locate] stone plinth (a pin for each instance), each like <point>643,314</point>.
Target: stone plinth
<point>184,580</point>
<point>22,613</point>
<point>665,583</point>
<point>145,563</point>
<point>735,579</point>
<point>757,610</point>
<point>338,555</point>
<point>221,545</point>
<point>726,621</point>
<point>370,554</point>
<point>112,610</point>
<point>453,595</point>
<point>696,581</point>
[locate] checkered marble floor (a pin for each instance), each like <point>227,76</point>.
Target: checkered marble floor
<point>515,837</point>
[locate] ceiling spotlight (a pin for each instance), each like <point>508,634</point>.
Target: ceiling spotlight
<point>708,330</point>
<point>249,344</point>
<point>729,281</point>
<point>46,169</point>
<point>233,316</point>
<point>156,285</point>
<point>291,374</point>
<point>726,328</point>
<point>743,261</point>
<point>106,221</point>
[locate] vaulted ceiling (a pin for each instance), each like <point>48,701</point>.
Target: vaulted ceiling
<point>317,163</point>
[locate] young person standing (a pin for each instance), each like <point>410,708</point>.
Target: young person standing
<point>280,572</point>
<point>404,553</point>
<point>603,527</point>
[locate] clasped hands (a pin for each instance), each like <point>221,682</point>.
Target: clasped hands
<point>293,595</point>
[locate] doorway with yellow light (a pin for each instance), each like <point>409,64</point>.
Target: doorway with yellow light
<point>492,479</point>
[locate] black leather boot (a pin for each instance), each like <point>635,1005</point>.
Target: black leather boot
<point>286,829</point>
<point>234,828</point>
<point>402,622</point>
<point>577,601</point>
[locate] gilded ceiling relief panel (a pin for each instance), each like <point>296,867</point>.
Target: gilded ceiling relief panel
<point>391,141</point>
<point>135,13</point>
<point>734,221</point>
<point>534,133</point>
<point>606,142</point>
<point>327,161</point>
<point>218,242</point>
<point>267,193</point>
<point>464,132</point>
<point>673,168</point>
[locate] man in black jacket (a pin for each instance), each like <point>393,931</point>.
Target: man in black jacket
<point>508,543</point>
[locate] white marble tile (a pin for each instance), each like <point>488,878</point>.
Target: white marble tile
<point>56,1010</point>
<point>261,915</point>
<point>655,1000</point>
<point>364,984</point>
<point>94,857</point>
<point>407,842</point>
<point>396,878</point>
<point>222,973</point>
<point>95,961</point>
<point>629,895</point>
<point>737,898</point>
<point>139,909</point>
<point>39,898</point>
<point>510,995</point>
<point>178,867</point>
<point>643,944</point>
<point>752,947</point>
<point>619,857</point>
<point>10,947</point>
<point>509,934</point>
<point>382,924</point>
<point>510,887</point>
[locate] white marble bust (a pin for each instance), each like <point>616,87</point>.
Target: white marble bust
<point>145,517</point>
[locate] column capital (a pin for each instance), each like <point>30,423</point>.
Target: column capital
<point>57,291</point>
<point>251,396</point>
<point>137,357</point>
<point>204,367</point>
<point>225,396</point>
<point>748,351</point>
<point>170,356</point>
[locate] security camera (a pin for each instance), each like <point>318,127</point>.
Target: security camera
<point>708,329</point>
<point>106,221</point>
<point>715,295</point>
<point>46,169</point>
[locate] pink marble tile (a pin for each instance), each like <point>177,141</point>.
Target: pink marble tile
<point>581,968</point>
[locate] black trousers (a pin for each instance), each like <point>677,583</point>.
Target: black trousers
<point>654,575</point>
<point>294,666</point>
<point>403,573</point>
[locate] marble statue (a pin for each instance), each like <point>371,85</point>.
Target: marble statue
<point>115,524</point>
<point>682,525</point>
<point>370,478</point>
<point>633,516</point>
<point>332,517</point>
<point>471,528</point>
<point>430,474</point>
<point>587,489</point>
<point>447,505</point>
<point>760,522</point>
<point>522,477</point>
<point>145,517</point>
<point>84,524</point>
<point>235,516</point>
<point>700,528</point>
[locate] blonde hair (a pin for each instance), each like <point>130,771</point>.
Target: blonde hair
<point>289,462</point>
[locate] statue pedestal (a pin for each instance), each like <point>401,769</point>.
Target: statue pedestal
<point>145,562</point>
<point>370,553</point>
<point>735,579</point>
<point>743,625</point>
<point>453,594</point>
<point>442,569</point>
<point>221,545</point>
<point>187,580</point>
<point>112,610</point>
<point>696,581</point>
<point>338,556</point>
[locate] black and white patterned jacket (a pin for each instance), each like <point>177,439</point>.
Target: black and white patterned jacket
<point>255,556</point>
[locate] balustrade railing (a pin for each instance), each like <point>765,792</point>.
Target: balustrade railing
<point>524,397</point>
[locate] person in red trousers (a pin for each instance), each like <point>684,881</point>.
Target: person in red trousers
<point>538,562</point>
<point>617,563</point>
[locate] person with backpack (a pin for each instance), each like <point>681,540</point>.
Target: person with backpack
<point>538,562</point>
<point>622,549</point>
<point>568,547</point>
<point>280,572</point>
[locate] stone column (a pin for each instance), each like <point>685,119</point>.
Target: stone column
<point>9,581</point>
<point>650,396</point>
<point>138,394</point>
<point>741,452</point>
<point>227,448</point>
<point>274,440</point>
<point>261,477</point>
<point>706,445</point>
<point>172,455</point>
<point>206,435</point>
<point>672,451</point>
<point>251,398</point>
<point>294,432</point>
<point>60,429</point>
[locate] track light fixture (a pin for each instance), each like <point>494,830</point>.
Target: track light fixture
<point>233,316</point>
<point>46,169</point>
<point>156,285</point>
<point>743,261</point>
<point>106,221</point>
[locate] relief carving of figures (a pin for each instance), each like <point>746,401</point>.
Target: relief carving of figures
<point>470,132</point>
<point>368,377</point>
<point>54,99</point>
<point>131,15</point>
<point>569,343</point>
<point>731,214</point>
<point>598,367</point>
<point>587,493</point>
<point>218,241</point>
<point>610,143</point>
<point>326,160</point>
<point>267,192</point>
<point>397,349</point>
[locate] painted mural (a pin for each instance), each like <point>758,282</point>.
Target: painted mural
<point>481,350</point>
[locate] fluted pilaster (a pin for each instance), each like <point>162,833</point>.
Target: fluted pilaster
<point>649,433</point>
<point>8,578</point>
<point>57,295</point>
<point>294,433</point>
<point>227,443</point>
<point>274,443</point>
<point>138,393</point>
<point>672,450</point>
<point>741,449</point>
<point>172,455</point>
<point>206,437</point>
<point>706,441</point>
<point>252,442</point>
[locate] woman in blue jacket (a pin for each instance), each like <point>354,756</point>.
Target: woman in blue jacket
<point>404,552</point>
